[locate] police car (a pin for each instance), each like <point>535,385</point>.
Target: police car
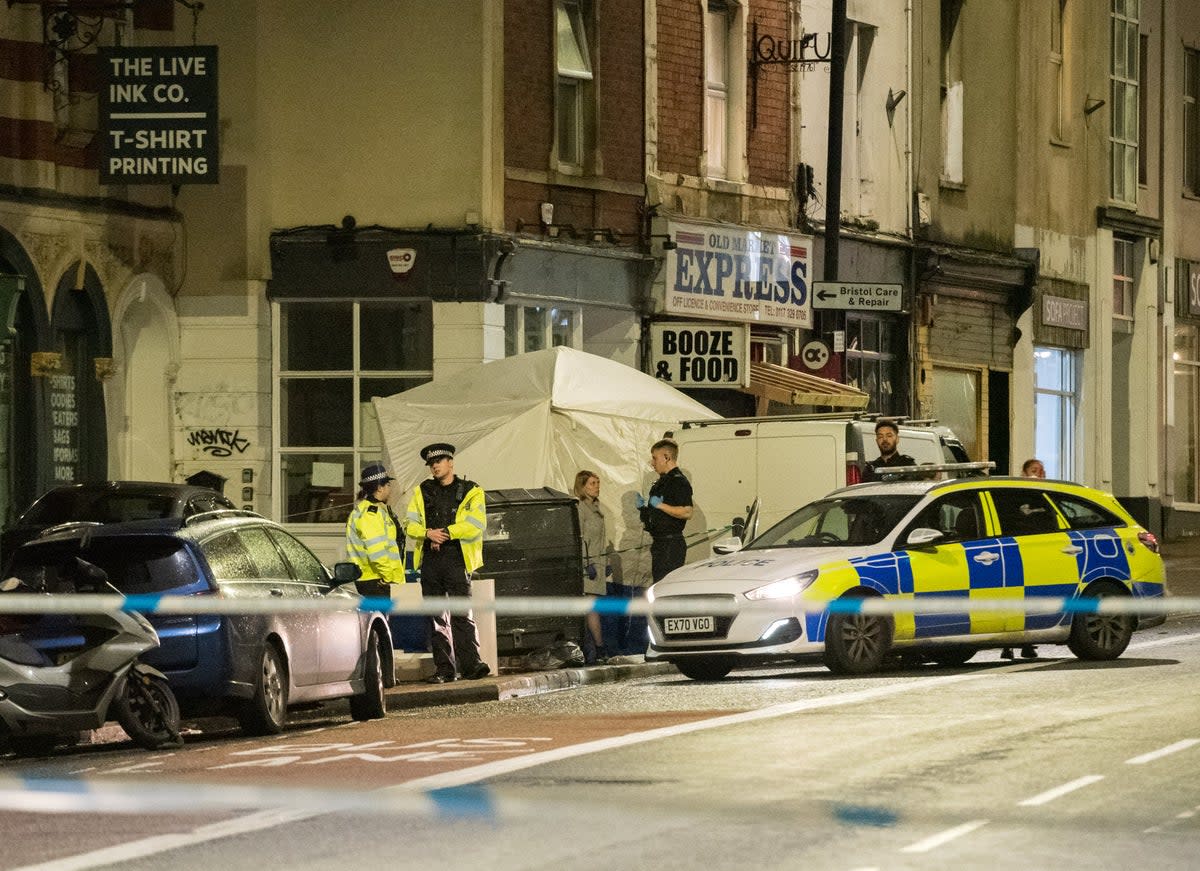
<point>961,541</point>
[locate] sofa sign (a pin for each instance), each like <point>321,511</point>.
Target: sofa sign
<point>700,354</point>
<point>735,274</point>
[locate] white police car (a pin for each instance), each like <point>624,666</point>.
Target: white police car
<point>965,540</point>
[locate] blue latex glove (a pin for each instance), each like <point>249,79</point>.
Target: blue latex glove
<point>638,500</point>
<point>591,572</point>
<point>655,501</point>
<point>608,571</point>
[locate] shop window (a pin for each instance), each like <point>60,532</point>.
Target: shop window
<point>573,98</point>
<point>1056,403</point>
<point>1191,121</point>
<point>956,405</point>
<point>871,361</point>
<point>1124,277</point>
<point>332,359</point>
<point>1124,69</point>
<point>1185,445</point>
<point>535,327</point>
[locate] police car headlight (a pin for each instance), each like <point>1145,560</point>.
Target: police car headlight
<point>783,589</point>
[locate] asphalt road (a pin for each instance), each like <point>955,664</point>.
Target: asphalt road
<point>1033,764</point>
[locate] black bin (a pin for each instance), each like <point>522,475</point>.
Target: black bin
<point>532,548</point>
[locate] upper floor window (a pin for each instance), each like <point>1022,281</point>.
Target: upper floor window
<point>952,91</point>
<point>716,88</point>
<point>1058,67</point>
<point>1123,277</point>
<point>1123,76</point>
<point>574,90</point>
<point>1191,121</point>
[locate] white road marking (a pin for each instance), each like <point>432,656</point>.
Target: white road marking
<point>934,841</point>
<point>1059,791</point>
<point>270,819</point>
<point>1163,751</point>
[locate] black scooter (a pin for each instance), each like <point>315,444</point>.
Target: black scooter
<point>47,702</point>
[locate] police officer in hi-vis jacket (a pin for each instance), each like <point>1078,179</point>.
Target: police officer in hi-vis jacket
<point>372,534</point>
<point>446,521</point>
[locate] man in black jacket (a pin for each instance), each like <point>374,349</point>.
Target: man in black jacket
<point>887,439</point>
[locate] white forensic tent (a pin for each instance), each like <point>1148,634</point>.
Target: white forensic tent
<point>534,420</point>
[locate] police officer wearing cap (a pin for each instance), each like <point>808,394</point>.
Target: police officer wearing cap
<point>372,534</point>
<point>446,521</point>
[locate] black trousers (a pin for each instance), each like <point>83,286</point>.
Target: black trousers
<point>667,553</point>
<point>453,640</point>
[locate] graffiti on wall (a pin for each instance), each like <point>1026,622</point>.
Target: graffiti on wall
<point>218,442</point>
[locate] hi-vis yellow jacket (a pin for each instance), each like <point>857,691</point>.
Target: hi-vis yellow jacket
<point>372,542</point>
<point>470,521</point>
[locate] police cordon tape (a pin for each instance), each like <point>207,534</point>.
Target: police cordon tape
<point>531,606</point>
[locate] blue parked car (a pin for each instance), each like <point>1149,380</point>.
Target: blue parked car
<point>254,665</point>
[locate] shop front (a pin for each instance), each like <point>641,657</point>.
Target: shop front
<point>1181,513</point>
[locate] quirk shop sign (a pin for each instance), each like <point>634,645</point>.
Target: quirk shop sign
<point>730,274</point>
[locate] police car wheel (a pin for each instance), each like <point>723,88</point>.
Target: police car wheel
<point>1100,636</point>
<point>711,668</point>
<point>856,643</point>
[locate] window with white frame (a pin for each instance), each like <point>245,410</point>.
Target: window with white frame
<point>952,92</point>
<point>1191,121</point>
<point>861,123</point>
<point>573,97</point>
<point>1124,114</point>
<point>1124,278</point>
<point>1058,73</point>
<point>1186,443</point>
<point>717,68</point>
<point>332,358</point>
<point>1056,403</point>
<point>536,327</point>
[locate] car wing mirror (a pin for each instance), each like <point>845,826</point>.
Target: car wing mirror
<point>344,573</point>
<point>738,527</point>
<point>923,535</point>
<point>732,544</point>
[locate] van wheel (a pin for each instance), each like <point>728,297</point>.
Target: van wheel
<point>370,704</point>
<point>856,643</point>
<point>1100,636</point>
<point>265,713</point>
<point>710,668</point>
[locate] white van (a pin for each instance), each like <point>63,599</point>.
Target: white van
<point>749,473</point>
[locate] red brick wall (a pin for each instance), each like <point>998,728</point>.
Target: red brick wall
<point>767,143</point>
<point>680,86</point>
<point>529,82</point>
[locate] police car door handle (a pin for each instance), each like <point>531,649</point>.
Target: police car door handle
<point>987,557</point>
<point>1072,549</point>
<point>275,591</point>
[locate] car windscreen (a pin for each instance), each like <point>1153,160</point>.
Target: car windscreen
<point>134,563</point>
<point>64,506</point>
<point>838,522</point>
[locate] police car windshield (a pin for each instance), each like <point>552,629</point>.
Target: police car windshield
<point>840,522</point>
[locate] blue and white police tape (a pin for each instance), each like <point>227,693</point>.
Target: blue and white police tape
<point>71,795</point>
<point>530,606</point>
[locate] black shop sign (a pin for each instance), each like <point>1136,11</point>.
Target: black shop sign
<point>158,115</point>
<point>700,354</point>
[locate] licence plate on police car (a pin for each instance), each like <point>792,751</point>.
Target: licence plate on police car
<point>687,625</point>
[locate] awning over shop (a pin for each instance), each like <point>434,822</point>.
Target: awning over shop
<point>772,383</point>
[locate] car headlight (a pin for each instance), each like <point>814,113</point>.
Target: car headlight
<point>785,588</point>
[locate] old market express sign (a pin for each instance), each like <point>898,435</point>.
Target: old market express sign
<point>736,274</point>
<point>158,115</point>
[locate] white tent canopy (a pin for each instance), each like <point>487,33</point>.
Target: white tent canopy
<point>536,419</point>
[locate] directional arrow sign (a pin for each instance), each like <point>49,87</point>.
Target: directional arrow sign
<point>858,295</point>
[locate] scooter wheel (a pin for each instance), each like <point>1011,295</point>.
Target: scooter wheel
<point>148,711</point>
